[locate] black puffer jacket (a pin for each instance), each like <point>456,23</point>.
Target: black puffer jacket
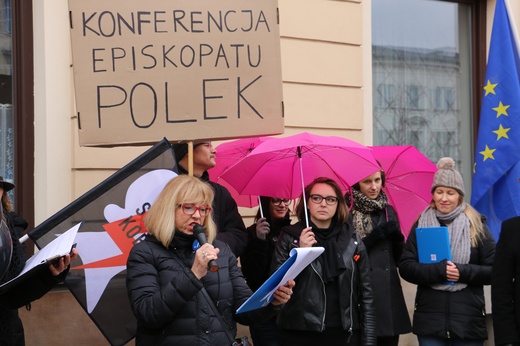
<point>306,308</point>
<point>505,290</point>
<point>385,244</point>
<point>167,300</point>
<point>444,314</point>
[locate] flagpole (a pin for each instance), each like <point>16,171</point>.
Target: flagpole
<point>190,158</point>
<point>260,205</point>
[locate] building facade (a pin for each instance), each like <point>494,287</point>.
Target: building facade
<point>333,84</point>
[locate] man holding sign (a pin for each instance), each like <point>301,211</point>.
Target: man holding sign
<point>230,226</point>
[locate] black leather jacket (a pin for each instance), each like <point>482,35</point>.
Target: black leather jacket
<point>306,308</point>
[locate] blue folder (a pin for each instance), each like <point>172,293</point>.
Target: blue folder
<point>262,296</point>
<point>433,245</point>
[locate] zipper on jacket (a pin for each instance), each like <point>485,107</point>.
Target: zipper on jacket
<point>448,334</point>
<point>350,330</point>
<point>325,295</point>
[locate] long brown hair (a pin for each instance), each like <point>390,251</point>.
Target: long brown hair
<point>6,203</point>
<point>341,214</point>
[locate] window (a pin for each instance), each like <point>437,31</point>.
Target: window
<point>385,95</point>
<point>444,99</point>
<point>412,96</point>
<point>17,103</point>
<point>6,97</point>
<point>426,50</point>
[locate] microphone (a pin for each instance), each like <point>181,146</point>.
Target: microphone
<point>200,233</point>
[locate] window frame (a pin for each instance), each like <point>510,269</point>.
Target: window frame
<point>478,55</point>
<point>23,107</point>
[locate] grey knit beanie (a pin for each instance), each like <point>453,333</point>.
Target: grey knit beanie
<point>448,176</point>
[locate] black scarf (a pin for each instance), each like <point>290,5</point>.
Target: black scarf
<point>203,177</point>
<point>333,240</point>
<point>182,245</point>
<point>183,240</point>
<point>277,225</point>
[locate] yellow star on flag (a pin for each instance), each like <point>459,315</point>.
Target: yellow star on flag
<point>490,88</point>
<point>501,109</point>
<point>502,132</point>
<point>488,153</point>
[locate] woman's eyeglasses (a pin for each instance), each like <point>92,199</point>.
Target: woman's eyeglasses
<point>278,201</point>
<point>330,200</point>
<point>190,209</point>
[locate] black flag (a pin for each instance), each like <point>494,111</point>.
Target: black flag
<point>111,214</point>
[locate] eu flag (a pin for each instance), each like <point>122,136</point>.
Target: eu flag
<point>496,179</point>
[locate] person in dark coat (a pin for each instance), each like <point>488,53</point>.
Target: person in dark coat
<point>505,288</point>
<point>230,226</point>
<point>11,328</point>
<point>332,302</point>
<point>272,215</point>
<point>167,273</point>
<point>376,223</point>
<point>450,314</point>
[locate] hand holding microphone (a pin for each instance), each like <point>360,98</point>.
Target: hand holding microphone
<point>200,233</point>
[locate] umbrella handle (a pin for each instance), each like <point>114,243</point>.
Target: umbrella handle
<point>303,188</point>
<point>305,209</point>
<point>260,207</point>
<point>190,158</point>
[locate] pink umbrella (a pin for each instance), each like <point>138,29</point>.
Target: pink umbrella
<point>282,167</point>
<point>228,154</point>
<point>409,177</point>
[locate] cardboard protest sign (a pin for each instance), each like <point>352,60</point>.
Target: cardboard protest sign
<point>184,69</point>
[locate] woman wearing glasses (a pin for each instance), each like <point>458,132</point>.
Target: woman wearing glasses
<point>332,301</point>
<point>376,223</point>
<point>176,299</point>
<point>256,259</point>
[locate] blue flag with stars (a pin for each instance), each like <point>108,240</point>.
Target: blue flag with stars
<point>496,179</point>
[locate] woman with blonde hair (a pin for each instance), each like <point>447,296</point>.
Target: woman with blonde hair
<point>450,314</point>
<point>176,299</point>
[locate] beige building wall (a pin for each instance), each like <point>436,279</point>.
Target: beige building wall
<point>327,85</point>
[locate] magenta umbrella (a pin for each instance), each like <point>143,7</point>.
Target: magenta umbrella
<point>228,154</point>
<point>282,167</point>
<point>409,177</point>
